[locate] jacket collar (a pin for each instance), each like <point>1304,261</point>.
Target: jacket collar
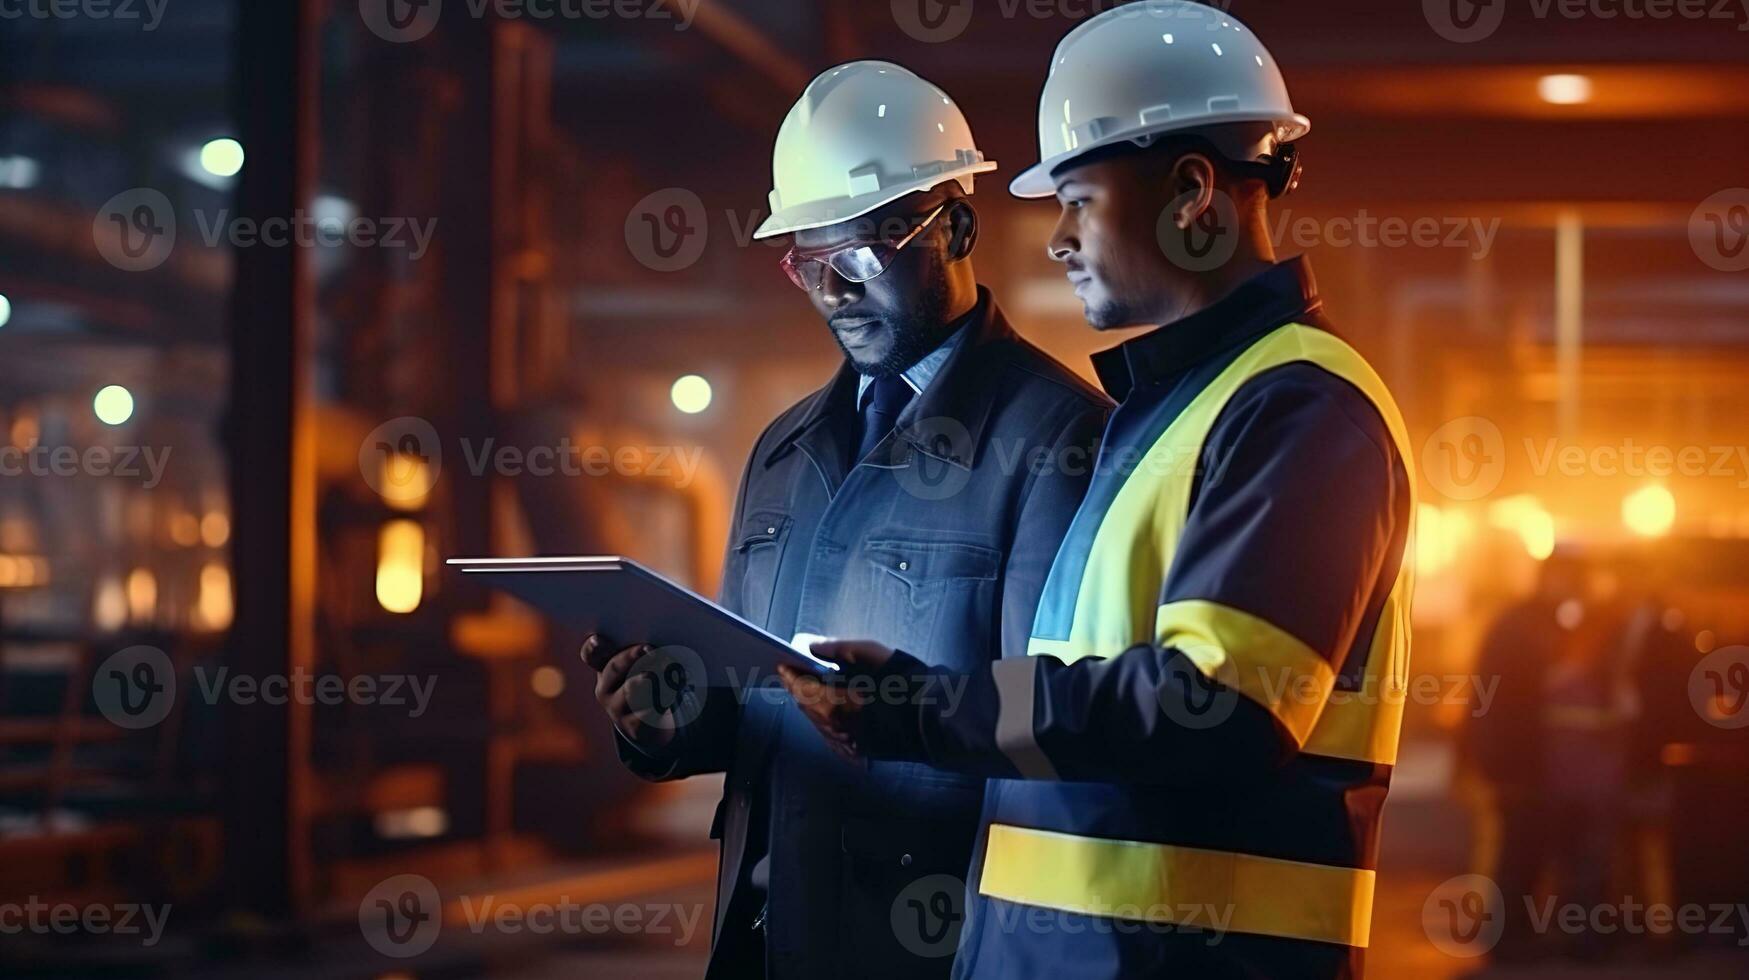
<point>1283,293</point>
<point>918,375</point>
<point>947,421</point>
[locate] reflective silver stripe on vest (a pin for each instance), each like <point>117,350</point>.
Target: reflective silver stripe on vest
<point>1014,694</point>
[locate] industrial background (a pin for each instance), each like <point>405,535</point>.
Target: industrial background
<point>521,312</point>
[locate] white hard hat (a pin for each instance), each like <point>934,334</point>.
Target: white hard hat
<point>1152,67</point>
<point>863,134</point>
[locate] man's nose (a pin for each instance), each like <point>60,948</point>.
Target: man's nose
<point>1062,244</point>
<point>836,291</point>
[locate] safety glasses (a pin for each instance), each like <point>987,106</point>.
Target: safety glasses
<point>856,261</point>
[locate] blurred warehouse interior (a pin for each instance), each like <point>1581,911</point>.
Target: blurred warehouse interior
<point>1559,331</point>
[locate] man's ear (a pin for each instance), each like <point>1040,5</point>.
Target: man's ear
<point>1192,184</point>
<point>962,227</point>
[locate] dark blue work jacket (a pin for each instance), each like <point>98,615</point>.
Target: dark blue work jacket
<point>938,542</point>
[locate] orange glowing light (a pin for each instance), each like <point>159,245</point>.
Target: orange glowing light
<point>401,566</point>
<point>1649,511</point>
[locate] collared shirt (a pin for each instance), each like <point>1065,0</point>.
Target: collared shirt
<point>920,374</point>
<point>1271,458</point>
<point>939,550</point>
<point>1283,292</point>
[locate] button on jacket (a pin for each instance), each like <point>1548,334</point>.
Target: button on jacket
<point>938,542</point>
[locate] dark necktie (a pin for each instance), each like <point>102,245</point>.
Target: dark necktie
<point>887,397</point>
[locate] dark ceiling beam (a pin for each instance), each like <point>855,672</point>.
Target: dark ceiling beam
<point>741,73</point>
<point>73,107</point>
<point>107,309</point>
<point>753,47</point>
<point>1007,35</point>
<point>843,40</point>
<point>1359,159</point>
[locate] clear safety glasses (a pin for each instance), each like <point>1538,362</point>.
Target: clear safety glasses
<point>856,261</point>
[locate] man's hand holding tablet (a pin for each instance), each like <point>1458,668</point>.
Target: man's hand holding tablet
<point>625,694</point>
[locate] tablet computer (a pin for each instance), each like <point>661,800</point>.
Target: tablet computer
<point>627,603</point>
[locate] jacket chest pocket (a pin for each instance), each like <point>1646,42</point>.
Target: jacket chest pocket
<point>923,566</point>
<point>758,554</point>
<point>934,598</point>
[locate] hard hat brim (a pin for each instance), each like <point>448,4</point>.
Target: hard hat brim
<point>819,214</point>
<point>1036,181</point>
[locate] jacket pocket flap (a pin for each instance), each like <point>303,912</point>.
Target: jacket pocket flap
<point>923,562</point>
<point>761,527</point>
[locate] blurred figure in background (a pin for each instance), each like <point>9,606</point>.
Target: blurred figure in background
<point>1656,657</point>
<point>1554,751</point>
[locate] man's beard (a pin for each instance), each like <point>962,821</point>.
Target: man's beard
<point>1107,314</point>
<point>914,335</point>
<point>1108,311</point>
<point>1101,309</point>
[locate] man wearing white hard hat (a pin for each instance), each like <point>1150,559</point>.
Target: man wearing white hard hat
<point>918,497</point>
<point>1189,763</point>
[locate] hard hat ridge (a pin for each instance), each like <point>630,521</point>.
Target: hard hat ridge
<point>1145,69</point>
<point>861,135</point>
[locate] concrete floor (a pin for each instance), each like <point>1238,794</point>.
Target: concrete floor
<point>1425,844</point>
<point>1401,951</point>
